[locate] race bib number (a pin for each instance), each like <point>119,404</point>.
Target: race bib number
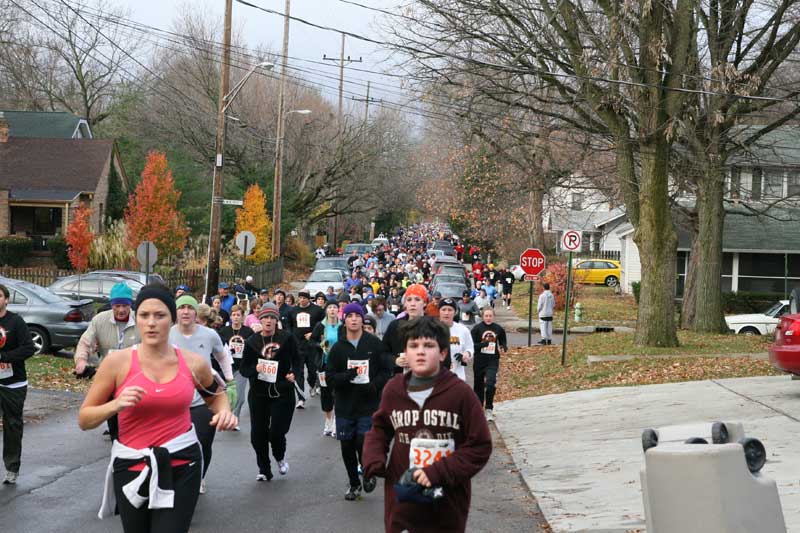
<point>362,367</point>
<point>490,348</point>
<point>395,308</point>
<point>303,320</point>
<point>267,370</point>
<point>425,452</point>
<point>323,381</point>
<point>464,317</point>
<point>508,281</point>
<point>6,371</point>
<point>236,345</point>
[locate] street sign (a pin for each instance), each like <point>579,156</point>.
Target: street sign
<point>147,253</point>
<point>528,277</point>
<point>232,202</point>
<point>245,241</point>
<point>571,240</point>
<point>532,261</point>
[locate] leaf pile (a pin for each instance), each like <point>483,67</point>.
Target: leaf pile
<point>54,373</point>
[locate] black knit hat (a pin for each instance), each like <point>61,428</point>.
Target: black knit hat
<point>159,292</point>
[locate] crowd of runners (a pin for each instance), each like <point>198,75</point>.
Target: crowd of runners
<point>386,356</point>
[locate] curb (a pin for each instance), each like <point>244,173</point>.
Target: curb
<point>580,330</point>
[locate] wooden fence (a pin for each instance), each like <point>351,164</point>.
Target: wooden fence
<point>264,275</point>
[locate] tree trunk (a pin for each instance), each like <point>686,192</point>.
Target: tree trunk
<point>690,285</point>
<point>537,222</point>
<point>658,243</point>
<point>709,317</point>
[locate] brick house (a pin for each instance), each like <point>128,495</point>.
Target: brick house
<point>50,164</point>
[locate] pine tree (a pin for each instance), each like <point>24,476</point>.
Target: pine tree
<point>253,217</point>
<point>152,212</point>
<point>79,238</point>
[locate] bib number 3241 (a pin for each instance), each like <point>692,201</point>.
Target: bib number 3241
<point>425,452</point>
<point>267,370</point>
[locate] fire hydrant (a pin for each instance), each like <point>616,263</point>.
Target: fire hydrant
<point>578,312</point>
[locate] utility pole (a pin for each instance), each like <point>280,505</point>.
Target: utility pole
<point>214,245</point>
<point>278,179</point>
<point>342,61</point>
<point>367,100</point>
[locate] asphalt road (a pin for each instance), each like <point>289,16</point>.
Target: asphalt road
<point>63,469</point>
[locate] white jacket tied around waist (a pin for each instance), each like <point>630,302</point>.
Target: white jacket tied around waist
<point>159,498</point>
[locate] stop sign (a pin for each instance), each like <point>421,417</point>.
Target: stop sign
<point>532,261</point>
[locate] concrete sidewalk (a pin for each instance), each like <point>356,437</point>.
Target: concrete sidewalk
<point>580,453</point>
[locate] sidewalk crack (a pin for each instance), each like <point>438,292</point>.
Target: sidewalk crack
<point>746,397</point>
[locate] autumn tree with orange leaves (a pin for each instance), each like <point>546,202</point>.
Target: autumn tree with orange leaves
<point>152,211</point>
<point>79,238</point>
<point>253,217</point>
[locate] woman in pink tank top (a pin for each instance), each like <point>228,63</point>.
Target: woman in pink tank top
<point>151,386</point>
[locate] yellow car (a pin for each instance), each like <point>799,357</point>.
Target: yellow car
<point>598,271</point>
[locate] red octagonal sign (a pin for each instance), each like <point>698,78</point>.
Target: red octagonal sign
<point>532,261</point>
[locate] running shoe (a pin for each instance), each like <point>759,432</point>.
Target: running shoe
<point>300,405</point>
<point>313,391</point>
<point>489,415</point>
<point>352,494</point>
<point>261,477</point>
<point>202,486</point>
<point>11,478</point>
<point>369,484</point>
<point>283,467</point>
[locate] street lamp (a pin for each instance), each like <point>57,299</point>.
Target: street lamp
<point>276,194</point>
<point>212,276</point>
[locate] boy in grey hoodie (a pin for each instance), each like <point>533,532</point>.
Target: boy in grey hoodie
<point>544,308</point>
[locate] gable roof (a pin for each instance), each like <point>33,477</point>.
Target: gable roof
<point>45,124</point>
<point>66,165</point>
<point>585,220</point>
<point>778,148</point>
<point>744,231</point>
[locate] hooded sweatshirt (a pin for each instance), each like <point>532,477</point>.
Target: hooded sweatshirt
<point>352,400</point>
<point>452,412</point>
<point>285,352</point>
<point>15,347</point>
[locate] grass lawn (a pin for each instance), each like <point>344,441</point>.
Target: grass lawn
<point>537,370</point>
<point>54,373</point>
<point>601,306</point>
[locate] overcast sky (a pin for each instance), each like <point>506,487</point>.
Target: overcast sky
<point>305,42</point>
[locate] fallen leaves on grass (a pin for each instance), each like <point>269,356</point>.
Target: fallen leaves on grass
<point>537,370</point>
<point>54,373</point>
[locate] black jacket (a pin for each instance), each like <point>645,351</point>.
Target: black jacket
<point>479,337</point>
<point>226,333</point>
<point>351,400</point>
<point>313,315</point>
<point>286,355</point>
<point>15,347</point>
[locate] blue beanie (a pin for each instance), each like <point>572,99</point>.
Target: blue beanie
<point>353,307</point>
<point>121,294</point>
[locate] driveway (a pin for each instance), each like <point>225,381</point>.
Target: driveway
<point>581,453</point>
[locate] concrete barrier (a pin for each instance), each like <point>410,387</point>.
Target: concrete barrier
<point>707,488</point>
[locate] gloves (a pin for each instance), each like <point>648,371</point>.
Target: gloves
<point>460,358</point>
<point>352,373</point>
<point>88,373</point>
<point>408,490</point>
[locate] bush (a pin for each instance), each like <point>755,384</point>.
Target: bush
<point>14,249</point>
<point>58,247</point>
<point>298,251</point>
<point>748,302</point>
<point>556,276</point>
<point>636,286</point>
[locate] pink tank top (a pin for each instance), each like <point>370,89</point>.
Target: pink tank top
<point>163,412</point>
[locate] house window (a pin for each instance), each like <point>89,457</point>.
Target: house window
<point>773,183</point>
<point>736,182</point>
<point>36,220</point>
<point>577,201</point>
<point>793,184</point>
<point>755,184</point>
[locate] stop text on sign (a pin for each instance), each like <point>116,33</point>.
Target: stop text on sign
<point>532,261</point>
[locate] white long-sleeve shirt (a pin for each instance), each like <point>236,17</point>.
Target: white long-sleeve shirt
<point>546,304</point>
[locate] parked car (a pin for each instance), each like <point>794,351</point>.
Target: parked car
<point>446,277</point>
<point>758,323</point>
<point>141,277</point>
<point>334,262</point>
<point>320,280</point>
<point>451,290</point>
<point>440,253</point>
<point>96,287</point>
<point>378,242</point>
<point>52,321</point>
<point>358,247</point>
<point>451,269</point>
<point>598,271</point>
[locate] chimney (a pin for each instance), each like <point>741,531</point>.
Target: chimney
<point>3,128</point>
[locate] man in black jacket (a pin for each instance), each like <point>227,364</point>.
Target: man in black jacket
<point>15,347</point>
<point>357,371</point>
